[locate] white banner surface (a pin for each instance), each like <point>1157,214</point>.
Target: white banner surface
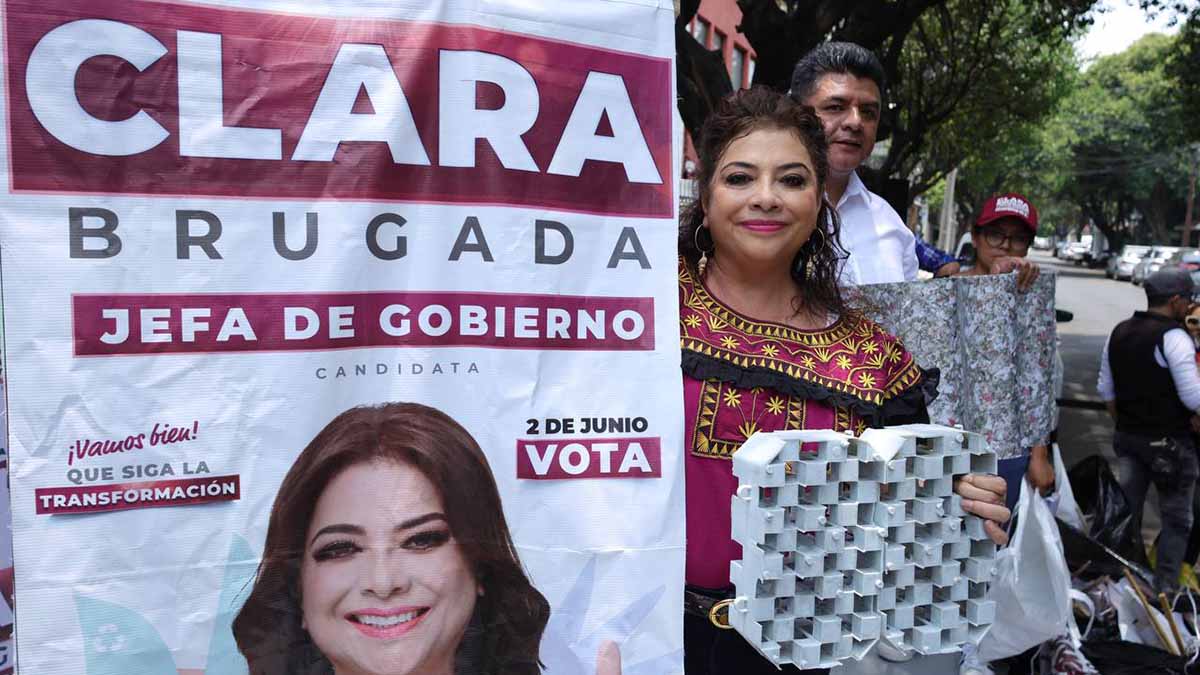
<point>225,224</point>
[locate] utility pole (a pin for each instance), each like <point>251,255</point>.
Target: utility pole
<point>1186,238</point>
<point>947,236</point>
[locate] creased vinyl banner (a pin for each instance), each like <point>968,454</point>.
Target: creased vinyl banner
<point>228,226</point>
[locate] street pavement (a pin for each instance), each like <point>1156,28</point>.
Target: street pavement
<point>1099,304</point>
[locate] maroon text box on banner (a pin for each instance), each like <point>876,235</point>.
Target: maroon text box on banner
<point>143,495</point>
<point>108,325</point>
<point>153,98</point>
<point>568,458</point>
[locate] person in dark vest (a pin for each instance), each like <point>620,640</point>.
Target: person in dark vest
<point>1149,381</point>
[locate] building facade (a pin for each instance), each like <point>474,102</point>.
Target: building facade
<point>716,27</point>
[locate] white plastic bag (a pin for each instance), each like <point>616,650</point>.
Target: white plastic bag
<point>1133,619</point>
<point>1032,585</point>
<point>1068,510</point>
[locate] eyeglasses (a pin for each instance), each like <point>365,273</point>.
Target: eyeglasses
<point>1001,239</point>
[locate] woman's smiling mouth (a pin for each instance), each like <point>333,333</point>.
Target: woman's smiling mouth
<point>763,225</point>
<point>387,623</point>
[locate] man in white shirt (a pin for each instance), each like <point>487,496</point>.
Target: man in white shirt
<point>1149,381</point>
<point>844,83</point>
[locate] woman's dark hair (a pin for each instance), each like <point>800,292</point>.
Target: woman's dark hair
<point>835,57</point>
<point>816,266</point>
<point>511,613</point>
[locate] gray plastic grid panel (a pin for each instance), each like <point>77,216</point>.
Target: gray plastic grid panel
<point>841,546</point>
<point>941,562</point>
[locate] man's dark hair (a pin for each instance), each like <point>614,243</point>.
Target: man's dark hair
<point>1158,300</point>
<point>835,57</point>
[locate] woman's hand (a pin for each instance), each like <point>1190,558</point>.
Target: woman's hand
<point>608,660</point>
<point>983,495</point>
<point>1041,471</point>
<point>1027,272</point>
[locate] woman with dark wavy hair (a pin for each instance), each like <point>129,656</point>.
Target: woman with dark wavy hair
<point>770,342</point>
<point>387,554</point>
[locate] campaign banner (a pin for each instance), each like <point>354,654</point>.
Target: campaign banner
<point>7,652</point>
<point>342,335</point>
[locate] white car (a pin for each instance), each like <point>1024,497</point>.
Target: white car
<point>1151,262</point>
<point>1129,257</point>
<point>1076,252</point>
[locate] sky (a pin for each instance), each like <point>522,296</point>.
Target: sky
<point>1119,27</point>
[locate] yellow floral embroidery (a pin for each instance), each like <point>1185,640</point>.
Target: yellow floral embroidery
<point>733,398</point>
<point>770,350</point>
<point>808,362</point>
<point>823,354</point>
<point>843,362</point>
<point>893,352</point>
<point>747,429</point>
<point>728,342</point>
<point>869,347</point>
<point>775,405</point>
<point>867,380</point>
<point>859,428</point>
<point>693,321</point>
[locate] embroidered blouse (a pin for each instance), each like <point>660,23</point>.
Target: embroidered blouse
<point>741,375</point>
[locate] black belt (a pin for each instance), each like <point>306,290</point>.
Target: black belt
<point>709,603</point>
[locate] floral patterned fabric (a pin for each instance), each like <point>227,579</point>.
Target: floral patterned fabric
<point>995,347</point>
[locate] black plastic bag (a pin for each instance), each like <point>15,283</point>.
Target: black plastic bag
<point>1089,559</point>
<point>1130,658</point>
<point>1104,505</point>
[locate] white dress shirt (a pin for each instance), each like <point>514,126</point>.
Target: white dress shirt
<point>882,249</point>
<point>1178,353</point>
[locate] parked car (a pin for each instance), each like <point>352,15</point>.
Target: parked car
<point>1151,263</point>
<point>1060,248</point>
<point>1041,243</point>
<point>1121,266</point>
<point>1094,259</point>
<point>1184,259</point>
<point>1075,252</point>
<point>1190,262</point>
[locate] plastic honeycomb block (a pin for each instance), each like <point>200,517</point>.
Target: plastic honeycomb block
<point>846,539</point>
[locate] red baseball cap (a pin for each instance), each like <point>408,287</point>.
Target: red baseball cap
<point>1011,205</point>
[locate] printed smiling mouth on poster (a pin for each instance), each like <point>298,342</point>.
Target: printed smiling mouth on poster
<point>225,224</point>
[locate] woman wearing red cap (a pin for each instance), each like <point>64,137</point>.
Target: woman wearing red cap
<point>1002,235</point>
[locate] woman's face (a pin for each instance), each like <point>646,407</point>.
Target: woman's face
<point>1002,238</point>
<point>385,589</point>
<point>764,200</point>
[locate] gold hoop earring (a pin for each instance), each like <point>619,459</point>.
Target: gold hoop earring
<point>819,231</point>
<point>712,245</point>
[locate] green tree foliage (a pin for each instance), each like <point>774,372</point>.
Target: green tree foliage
<point>977,80</point>
<point>960,72</point>
<point>1184,67</point>
<point>1117,146</point>
<point>1113,151</point>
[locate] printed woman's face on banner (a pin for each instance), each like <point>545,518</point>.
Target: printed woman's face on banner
<point>385,589</point>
